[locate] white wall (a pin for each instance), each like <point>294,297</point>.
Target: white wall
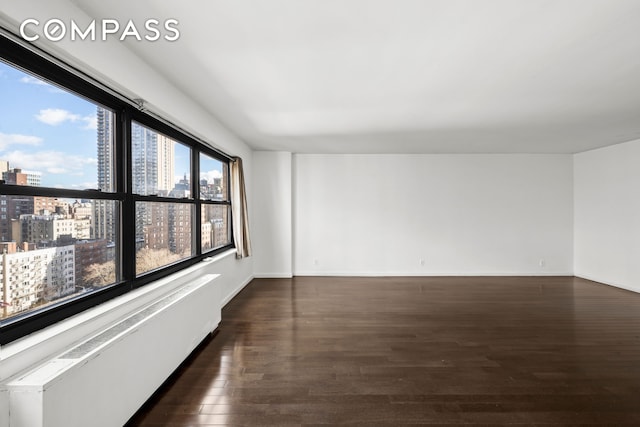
<point>461,214</point>
<point>271,218</point>
<point>607,215</point>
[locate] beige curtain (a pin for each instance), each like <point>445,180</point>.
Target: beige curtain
<point>239,210</point>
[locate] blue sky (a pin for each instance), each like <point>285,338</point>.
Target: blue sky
<point>48,130</point>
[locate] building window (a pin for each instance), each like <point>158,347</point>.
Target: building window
<point>97,197</point>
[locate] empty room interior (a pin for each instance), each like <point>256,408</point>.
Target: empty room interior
<point>305,212</point>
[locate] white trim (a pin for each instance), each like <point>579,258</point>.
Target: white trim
<point>273,275</point>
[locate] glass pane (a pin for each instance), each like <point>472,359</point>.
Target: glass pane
<point>213,178</point>
<point>161,166</point>
<point>163,234</point>
<point>216,227</point>
<point>54,249</point>
<point>52,138</point>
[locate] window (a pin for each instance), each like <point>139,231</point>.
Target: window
<point>161,168</point>
<point>50,144</point>
<point>97,198</point>
<point>214,193</point>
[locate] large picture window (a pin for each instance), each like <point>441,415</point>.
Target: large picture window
<point>161,169</point>
<point>96,197</point>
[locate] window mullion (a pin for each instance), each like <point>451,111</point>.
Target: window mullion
<point>196,230</point>
<point>128,209</point>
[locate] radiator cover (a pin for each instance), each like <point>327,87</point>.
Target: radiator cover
<point>103,380</point>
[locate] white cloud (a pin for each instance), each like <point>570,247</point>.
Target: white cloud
<point>57,170</point>
<point>210,175</point>
<point>30,80</point>
<point>52,162</point>
<point>91,122</point>
<point>56,116</point>
<point>33,81</point>
<point>7,140</point>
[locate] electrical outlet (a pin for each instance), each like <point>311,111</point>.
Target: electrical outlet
<point>542,263</point>
<point>421,261</point>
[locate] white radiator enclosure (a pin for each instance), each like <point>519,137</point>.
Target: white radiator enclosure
<point>80,387</point>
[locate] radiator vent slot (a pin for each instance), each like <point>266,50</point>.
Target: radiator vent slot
<point>128,323</point>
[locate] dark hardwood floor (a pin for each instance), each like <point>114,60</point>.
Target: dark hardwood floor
<point>489,351</point>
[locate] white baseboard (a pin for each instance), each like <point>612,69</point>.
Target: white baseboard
<point>604,282</point>
<point>431,274</point>
<point>288,275</point>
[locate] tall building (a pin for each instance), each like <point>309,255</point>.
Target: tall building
<point>166,164</point>
<point>104,220</point>
<point>144,148</point>
<point>153,173</point>
<point>106,152</point>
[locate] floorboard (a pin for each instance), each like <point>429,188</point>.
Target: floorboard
<point>437,351</point>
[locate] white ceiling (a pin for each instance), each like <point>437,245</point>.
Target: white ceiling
<point>404,76</point>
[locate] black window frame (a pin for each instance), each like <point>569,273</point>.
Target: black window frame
<point>125,112</point>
